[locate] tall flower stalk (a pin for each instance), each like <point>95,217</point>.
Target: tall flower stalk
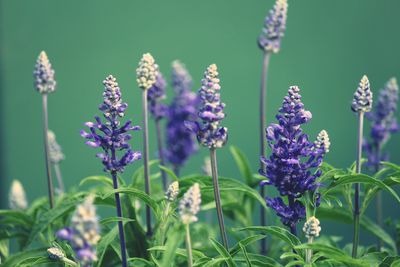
<point>112,137</point>
<point>362,102</point>
<point>269,42</point>
<point>56,156</point>
<point>189,206</point>
<point>181,144</point>
<point>311,230</point>
<point>45,84</point>
<point>83,233</point>
<point>292,167</point>
<point>146,76</point>
<point>158,111</point>
<point>210,134</point>
<point>383,123</point>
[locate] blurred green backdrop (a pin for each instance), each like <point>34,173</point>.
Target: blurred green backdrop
<point>328,46</point>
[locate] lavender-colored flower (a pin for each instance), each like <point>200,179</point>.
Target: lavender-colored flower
<point>172,192</point>
<point>189,205</point>
<point>83,234</point>
<point>322,142</point>
<point>181,143</point>
<point>383,123</point>
<point>290,166</point>
<point>155,94</point>
<point>55,152</point>
<point>274,28</point>
<point>44,75</point>
<point>210,134</point>
<point>362,100</point>
<point>17,198</point>
<point>110,136</point>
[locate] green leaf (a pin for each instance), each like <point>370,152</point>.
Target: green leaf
<point>15,218</point>
<point>246,256</point>
<point>333,253</point>
<point>48,218</point>
<point>97,179</point>
<point>174,239</point>
<point>359,178</point>
<point>180,252</point>
<point>169,172</point>
<point>139,173</point>
<point>223,252</point>
<point>140,260</point>
<point>136,193</point>
<point>391,165</point>
<point>259,260</point>
<point>16,259</point>
<point>245,242</point>
<point>115,219</point>
<point>371,192</point>
<point>343,216</point>
<point>276,231</point>
<point>105,243</point>
<point>243,165</point>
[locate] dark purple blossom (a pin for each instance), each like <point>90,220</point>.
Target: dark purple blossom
<point>291,167</point>
<point>383,124</point>
<point>209,133</point>
<point>155,95</point>
<point>181,143</point>
<point>274,27</point>
<point>110,135</point>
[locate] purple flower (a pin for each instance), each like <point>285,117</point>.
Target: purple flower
<point>84,233</point>
<point>181,143</point>
<point>155,94</point>
<point>110,135</point>
<point>383,123</point>
<point>210,134</point>
<point>290,166</point>
<point>274,28</point>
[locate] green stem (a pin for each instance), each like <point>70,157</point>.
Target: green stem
<point>189,246</point>
<point>146,159</point>
<point>164,223</point>
<point>46,151</point>
<point>263,123</point>
<point>217,197</point>
<point>356,213</point>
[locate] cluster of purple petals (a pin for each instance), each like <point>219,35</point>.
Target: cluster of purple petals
<point>383,124</point>
<point>110,135</point>
<point>210,133</point>
<point>155,94</point>
<point>291,165</point>
<point>181,143</point>
<point>274,27</point>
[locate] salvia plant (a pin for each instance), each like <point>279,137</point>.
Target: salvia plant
<point>167,216</point>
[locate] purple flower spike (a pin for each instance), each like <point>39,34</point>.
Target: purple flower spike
<point>290,166</point>
<point>274,28</point>
<point>181,143</point>
<point>155,94</point>
<point>110,136</point>
<point>210,134</point>
<point>383,123</point>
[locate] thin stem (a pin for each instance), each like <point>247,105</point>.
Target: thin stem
<point>189,246</point>
<point>59,177</point>
<point>161,154</point>
<point>217,197</point>
<point>46,151</point>
<point>309,251</point>
<point>146,159</point>
<point>120,224</point>
<point>356,213</point>
<point>293,229</point>
<point>263,93</point>
<point>164,223</point>
<point>379,215</point>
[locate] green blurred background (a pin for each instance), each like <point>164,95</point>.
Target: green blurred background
<point>328,46</point>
